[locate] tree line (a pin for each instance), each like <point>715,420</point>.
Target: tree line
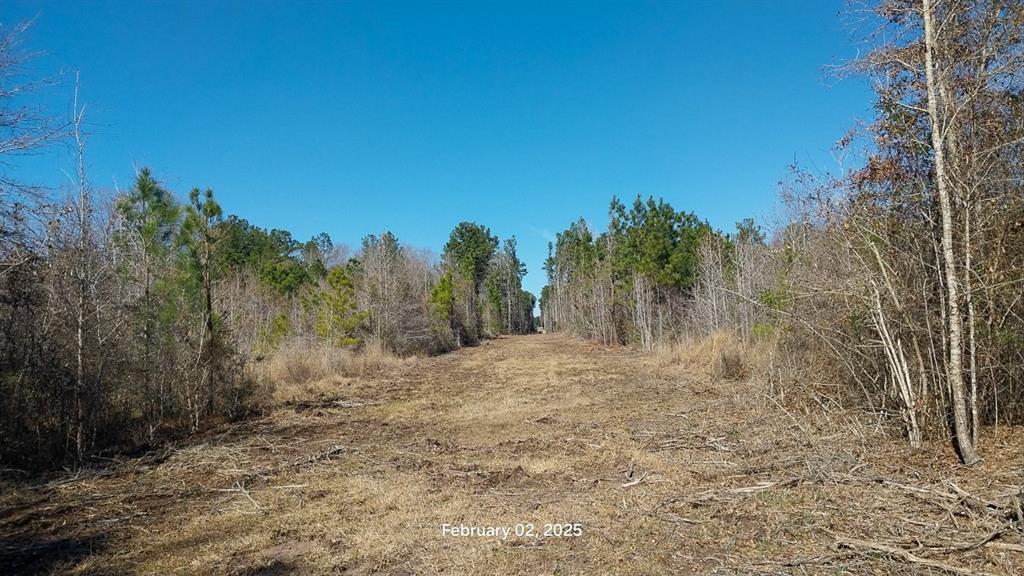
<point>656,275</point>
<point>901,281</point>
<point>131,316</point>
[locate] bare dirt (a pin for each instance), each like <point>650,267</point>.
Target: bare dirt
<point>664,470</point>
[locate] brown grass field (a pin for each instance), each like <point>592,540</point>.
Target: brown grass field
<point>667,470</point>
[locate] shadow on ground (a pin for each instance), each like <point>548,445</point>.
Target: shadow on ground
<point>46,555</point>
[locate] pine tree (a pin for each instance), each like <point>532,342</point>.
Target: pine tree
<point>468,254</point>
<point>336,318</point>
<point>149,221</point>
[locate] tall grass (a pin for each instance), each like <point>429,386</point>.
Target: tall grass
<point>719,355</point>
<point>298,369</point>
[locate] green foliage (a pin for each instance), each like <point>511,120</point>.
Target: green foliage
<point>774,298</point>
<point>442,298</point>
<point>546,295</point>
<point>493,297</point>
<point>576,251</point>
<point>199,236</point>
<point>271,336</point>
<point>467,255</point>
<point>286,275</point>
<point>749,232</point>
<point>282,263</point>
<point>503,287</point>
<point>336,317</point>
<point>592,280</point>
<point>146,241</point>
<point>469,250</point>
<point>655,240</point>
<point>320,246</point>
<point>763,331</point>
<point>244,244</point>
<point>385,247</point>
<point>527,302</point>
<point>151,217</point>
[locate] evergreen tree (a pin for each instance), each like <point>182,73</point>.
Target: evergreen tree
<point>336,317</point>
<point>200,238</point>
<point>468,254</point>
<point>149,220</point>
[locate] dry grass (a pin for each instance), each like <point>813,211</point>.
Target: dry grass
<point>722,355</point>
<point>300,371</point>
<point>668,470</point>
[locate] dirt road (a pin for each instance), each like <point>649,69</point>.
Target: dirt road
<point>630,468</point>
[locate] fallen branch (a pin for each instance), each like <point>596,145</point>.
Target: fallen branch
<point>747,490</point>
<point>1006,546</point>
<point>326,454</point>
<point>301,405</point>
<point>983,506</point>
<point>240,489</point>
<point>896,552</point>
<point>956,498</point>
<point>946,548</point>
<point>698,442</point>
<point>810,561</point>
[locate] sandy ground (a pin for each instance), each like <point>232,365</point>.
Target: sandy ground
<point>618,464</point>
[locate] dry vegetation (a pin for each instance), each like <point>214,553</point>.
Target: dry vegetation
<point>235,401</point>
<point>673,463</point>
<point>296,373</point>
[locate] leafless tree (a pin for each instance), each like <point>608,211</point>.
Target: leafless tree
<point>24,129</point>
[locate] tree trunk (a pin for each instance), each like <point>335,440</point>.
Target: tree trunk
<point>954,373</point>
<point>972,348</point>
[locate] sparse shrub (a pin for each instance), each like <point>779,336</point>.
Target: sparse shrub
<point>271,336</point>
<point>763,331</point>
<point>732,364</point>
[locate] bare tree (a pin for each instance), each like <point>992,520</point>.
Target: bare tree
<point>24,129</point>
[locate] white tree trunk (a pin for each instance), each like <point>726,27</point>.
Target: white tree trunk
<point>954,372</point>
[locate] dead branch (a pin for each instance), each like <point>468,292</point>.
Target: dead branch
<point>895,552</point>
<point>324,455</point>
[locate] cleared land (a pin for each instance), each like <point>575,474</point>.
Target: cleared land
<point>667,471</point>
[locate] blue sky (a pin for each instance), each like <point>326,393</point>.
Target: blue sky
<point>358,117</point>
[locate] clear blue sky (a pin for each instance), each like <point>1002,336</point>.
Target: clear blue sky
<point>356,117</point>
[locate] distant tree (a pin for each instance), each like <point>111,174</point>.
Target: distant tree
<point>749,232</point>
<point>281,262</point>
<point>381,261</point>
<point>503,286</point>
<point>627,283</point>
<point>287,275</point>
<point>468,254</point>
<point>336,318</point>
<point>527,302</point>
<point>652,239</point>
<point>442,301</point>
<point>315,254</point>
